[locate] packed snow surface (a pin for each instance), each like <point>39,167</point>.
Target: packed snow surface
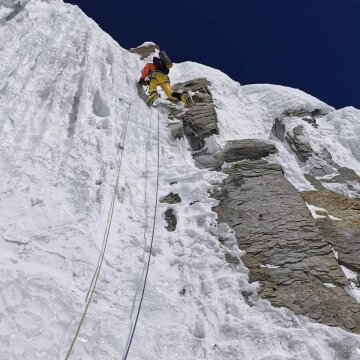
<point>61,124</point>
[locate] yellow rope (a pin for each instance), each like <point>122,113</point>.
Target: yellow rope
<point>104,244</point>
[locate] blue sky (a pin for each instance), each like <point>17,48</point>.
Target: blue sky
<point>312,45</point>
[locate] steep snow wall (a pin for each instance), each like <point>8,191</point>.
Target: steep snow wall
<point>61,124</point>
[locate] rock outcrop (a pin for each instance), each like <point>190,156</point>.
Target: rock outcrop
<point>285,249</point>
<point>322,170</point>
<point>199,121</point>
<point>145,50</point>
<point>253,149</point>
<point>294,138</point>
<point>340,224</point>
<point>171,199</point>
<point>288,252</point>
<point>199,88</point>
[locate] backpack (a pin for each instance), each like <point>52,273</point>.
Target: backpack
<point>160,65</point>
<point>164,58</point>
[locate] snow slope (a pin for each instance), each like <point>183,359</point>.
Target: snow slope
<point>61,124</point>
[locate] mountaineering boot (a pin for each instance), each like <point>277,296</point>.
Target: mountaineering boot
<point>185,99</point>
<point>153,96</point>
<point>181,97</point>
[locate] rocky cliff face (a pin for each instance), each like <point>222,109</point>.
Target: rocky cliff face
<point>285,249</point>
<point>296,258</point>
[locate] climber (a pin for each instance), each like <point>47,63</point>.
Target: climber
<point>157,75</point>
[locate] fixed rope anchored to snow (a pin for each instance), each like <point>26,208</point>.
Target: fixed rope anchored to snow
<point>133,327</point>
<point>95,278</point>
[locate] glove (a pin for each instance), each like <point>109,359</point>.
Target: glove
<point>143,82</point>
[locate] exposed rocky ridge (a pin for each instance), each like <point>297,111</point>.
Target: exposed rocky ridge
<point>323,170</point>
<point>285,250</point>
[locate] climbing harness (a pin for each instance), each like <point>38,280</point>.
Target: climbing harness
<point>133,326</point>
<point>95,278</point>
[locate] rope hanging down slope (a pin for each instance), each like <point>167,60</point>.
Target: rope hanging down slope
<point>131,336</point>
<point>95,278</point>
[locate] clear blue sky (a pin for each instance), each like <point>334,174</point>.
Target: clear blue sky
<point>312,45</point>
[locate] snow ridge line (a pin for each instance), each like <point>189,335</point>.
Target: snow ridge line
<point>95,278</point>
<point>133,327</point>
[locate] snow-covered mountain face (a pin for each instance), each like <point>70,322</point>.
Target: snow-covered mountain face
<point>61,125</point>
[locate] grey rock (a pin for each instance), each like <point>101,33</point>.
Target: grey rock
<point>273,225</point>
<point>145,51</point>
<point>311,121</point>
<point>177,130</point>
<point>199,84</point>
<point>317,184</point>
<point>299,145</point>
<point>344,175</point>
<point>304,113</point>
<point>246,293</point>
<point>252,149</point>
<point>343,235</point>
<point>171,199</point>
<point>202,121</point>
<point>278,129</point>
<point>321,170</point>
<point>17,9</point>
<point>198,88</point>
<point>323,163</point>
<point>195,141</point>
<point>231,259</point>
<point>295,139</point>
<point>171,220</point>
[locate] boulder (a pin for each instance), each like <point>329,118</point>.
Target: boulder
<point>252,149</point>
<point>198,88</point>
<point>171,199</point>
<point>145,50</point>
<point>200,122</point>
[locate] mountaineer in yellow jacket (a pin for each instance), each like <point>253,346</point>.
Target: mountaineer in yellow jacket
<point>157,74</point>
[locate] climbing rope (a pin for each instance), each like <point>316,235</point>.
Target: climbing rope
<point>95,278</point>
<point>133,327</point>
<point>146,218</point>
